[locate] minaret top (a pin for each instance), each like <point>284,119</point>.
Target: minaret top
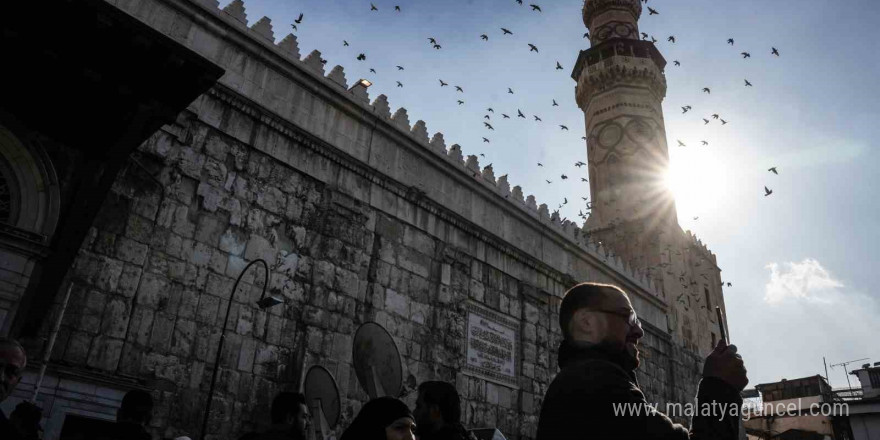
<point>612,19</point>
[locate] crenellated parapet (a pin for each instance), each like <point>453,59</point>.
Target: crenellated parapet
<point>261,35</point>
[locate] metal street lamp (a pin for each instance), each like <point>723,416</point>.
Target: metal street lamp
<point>263,303</point>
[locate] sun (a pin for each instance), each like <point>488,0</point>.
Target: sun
<point>698,181</point>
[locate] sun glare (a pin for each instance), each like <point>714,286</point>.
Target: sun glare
<point>698,181</point>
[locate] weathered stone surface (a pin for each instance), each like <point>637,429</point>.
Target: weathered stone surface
<point>399,241</point>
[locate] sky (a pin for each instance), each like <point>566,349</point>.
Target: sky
<point>801,260</point>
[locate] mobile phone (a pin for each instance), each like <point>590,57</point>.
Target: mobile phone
<point>721,325</point>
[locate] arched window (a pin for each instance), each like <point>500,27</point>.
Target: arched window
<point>29,196</point>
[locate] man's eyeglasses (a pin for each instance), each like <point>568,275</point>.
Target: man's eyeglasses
<point>631,318</point>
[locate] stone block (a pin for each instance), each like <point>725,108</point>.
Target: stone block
<point>259,248</point>
<point>105,353</point>
<point>397,303</point>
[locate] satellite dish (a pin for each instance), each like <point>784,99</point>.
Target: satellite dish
<point>377,361</point>
<point>322,393</point>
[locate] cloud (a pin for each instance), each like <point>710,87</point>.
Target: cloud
<point>806,280</point>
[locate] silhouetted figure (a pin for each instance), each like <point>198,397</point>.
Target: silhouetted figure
<point>438,412</point>
<point>384,418</point>
<point>598,357</point>
<point>132,417</point>
<point>290,419</point>
<point>13,359</point>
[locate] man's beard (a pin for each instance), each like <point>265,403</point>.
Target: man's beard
<point>629,360</point>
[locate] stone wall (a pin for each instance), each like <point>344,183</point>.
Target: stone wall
<point>360,218</point>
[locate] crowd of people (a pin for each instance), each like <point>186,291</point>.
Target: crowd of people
<point>598,358</point>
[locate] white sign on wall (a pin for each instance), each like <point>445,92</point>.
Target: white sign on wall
<point>492,349</point>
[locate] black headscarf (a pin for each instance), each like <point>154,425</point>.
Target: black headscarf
<point>374,417</point>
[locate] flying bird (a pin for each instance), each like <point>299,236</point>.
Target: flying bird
<point>299,20</point>
<point>644,36</point>
<point>399,84</point>
<point>705,121</point>
<point>586,35</point>
<point>773,170</point>
<point>459,89</point>
<point>488,125</point>
<point>372,70</point>
<point>490,110</point>
<point>361,57</point>
<point>484,37</point>
<point>653,40</point>
<point>767,191</point>
<point>704,142</point>
<point>460,102</point>
<point>509,90</point>
<point>706,89</point>
<point>486,140</point>
<point>681,144</point>
<point>671,38</point>
<point>505,116</point>
<point>532,47</point>
<point>583,179</point>
<point>294,27</point>
<point>399,67</point>
<point>397,8</point>
<point>715,116</point>
<point>651,11</point>
<point>506,32</point>
<point>723,122</point>
<point>432,40</point>
<point>696,218</point>
<point>373,7</point>
<point>564,177</point>
<point>438,47</point>
<point>676,63</point>
<point>487,117</point>
<point>684,109</point>
<point>555,104</point>
<point>549,181</point>
<point>558,66</point>
<point>520,114</point>
<point>563,127</point>
<point>535,8</point>
<point>443,84</point>
<point>344,43</point>
<point>730,41</point>
<point>537,119</point>
<point>775,52</point>
<point>746,55</point>
<point>748,84</point>
<point>579,164</point>
<point>540,164</point>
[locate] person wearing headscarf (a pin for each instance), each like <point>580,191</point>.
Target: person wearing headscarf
<point>384,418</point>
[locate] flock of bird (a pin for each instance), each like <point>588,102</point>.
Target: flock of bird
<point>492,119</point>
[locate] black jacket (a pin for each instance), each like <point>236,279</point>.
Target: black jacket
<point>7,429</point>
<point>580,404</point>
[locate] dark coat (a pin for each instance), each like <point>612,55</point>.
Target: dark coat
<point>7,429</point>
<point>580,403</point>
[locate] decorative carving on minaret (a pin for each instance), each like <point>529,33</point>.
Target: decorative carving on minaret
<point>612,19</point>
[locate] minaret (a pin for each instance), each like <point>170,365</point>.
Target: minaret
<point>620,88</point>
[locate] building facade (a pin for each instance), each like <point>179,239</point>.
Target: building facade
<point>361,215</point>
<point>864,413</point>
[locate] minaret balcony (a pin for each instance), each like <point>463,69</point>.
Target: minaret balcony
<point>618,61</point>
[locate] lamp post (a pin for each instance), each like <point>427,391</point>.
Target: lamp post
<point>263,303</point>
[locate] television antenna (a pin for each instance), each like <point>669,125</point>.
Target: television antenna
<point>844,364</point>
